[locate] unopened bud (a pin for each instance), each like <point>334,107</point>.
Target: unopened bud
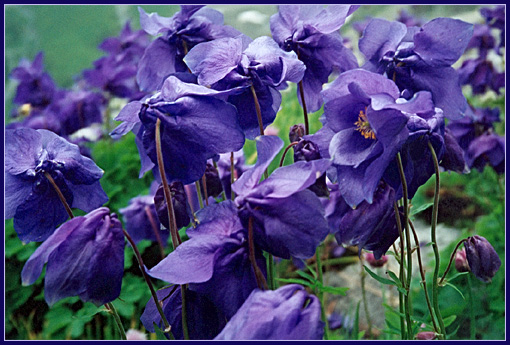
<point>374,262</point>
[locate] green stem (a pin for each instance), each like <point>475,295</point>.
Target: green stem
<point>451,260</point>
<point>401,272</point>
<point>305,111</point>
<point>435,210</point>
<point>199,194</point>
<point>118,322</point>
<point>408,245</point>
<point>365,303</point>
<point>320,292</point>
<point>271,273</point>
<point>60,195</point>
<point>423,279</point>
<point>259,276</point>
<point>184,313</point>
<point>472,319</point>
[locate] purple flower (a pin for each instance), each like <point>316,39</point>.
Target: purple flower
<point>453,157</point>
<point>312,32</point>
<point>190,26</point>
<point>36,87</point>
<point>116,72</point>
<point>237,62</point>
<point>487,149</point>
<point>483,260</point>
<point>335,208</point>
<point>212,182</point>
<point>194,121</point>
<point>29,196</point>
<point>371,226</point>
<point>203,318</point>
<point>481,75</point>
<point>85,258</point>
<point>408,19</point>
<point>289,313</point>
<point>215,260</point>
<point>141,218</point>
<point>495,18</point>
<point>288,218</point>
<point>420,59</point>
<point>296,132</point>
<point>365,126</point>
<point>478,122</point>
<point>224,169</point>
<point>482,40</point>
<point>180,205</point>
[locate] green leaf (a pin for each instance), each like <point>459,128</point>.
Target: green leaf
<point>420,208</point>
<point>456,275</point>
<point>355,330</point>
<point>307,276</point>
<point>160,335</point>
<point>312,270</point>
<point>449,320</point>
<point>456,289</point>
<point>334,290</point>
<point>379,278</point>
<point>296,281</point>
<point>394,277</point>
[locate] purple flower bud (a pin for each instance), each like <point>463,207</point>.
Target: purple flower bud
<point>374,262</point>
<point>426,336</point>
<point>296,132</point>
<point>306,150</point>
<point>461,264</point>
<point>180,204</point>
<point>212,181</point>
<point>483,260</point>
<point>85,258</point>
<point>288,313</point>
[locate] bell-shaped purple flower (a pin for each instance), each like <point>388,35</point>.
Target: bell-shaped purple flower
<point>477,122</point>
<point>481,75</point>
<point>453,157</point>
<point>204,320</point>
<point>365,127</point>
<point>483,260</point>
<point>289,313</point>
<point>312,32</point>
<point>258,66</point>
<point>212,182</point>
<point>30,197</point>
<point>288,219</point>
<point>420,59</point>
<point>85,258</point>
<point>194,120</point>
<point>35,87</point>
<point>371,226</point>
<point>487,149</point>
<point>180,205</point>
<point>141,218</point>
<point>215,260</point>
<point>190,26</point>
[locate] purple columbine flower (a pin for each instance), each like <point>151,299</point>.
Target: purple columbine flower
<point>29,196</point>
<point>116,72</point>
<point>365,127</point>
<point>204,320</point>
<point>180,204</point>
<point>371,226</point>
<point>141,218</point>
<point>190,26</point>
<point>495,18</point>
<point>481,75</point>
<point>478,122</point>
<point>487,149</point>
<point>85,258</point>
<point>215,260</point>
<point>194,121</point>
<point>288,219</point>
<point>482,40</point>
<point>312,32</point>
<point>420,59</point>
<point>35,87</point>
<point>483,260</point>
<point>239,62</point>
<point>289,313</point>
<point>212,181</point>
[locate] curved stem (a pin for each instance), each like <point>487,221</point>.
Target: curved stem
<point>147,280</point>
<point>294,143</point>
<point>155,229</point>
<point>408,245</point>
<point>111,309</point>
<point>176,240</point>
<point>60,195</point>
<point>261,281</point>
<point>320,292</point>
<point>305,111</point>
<point>257,109</point>
<point>435,210</point>
<point>423,280</point>
<point>451,260</point>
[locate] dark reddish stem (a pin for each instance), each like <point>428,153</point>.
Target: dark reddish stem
<point>285,152</point>
<point>60,195</point>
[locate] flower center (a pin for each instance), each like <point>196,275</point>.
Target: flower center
<point>363,126</point>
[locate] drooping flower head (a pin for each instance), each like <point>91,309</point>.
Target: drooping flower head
<point>180,205</point>
<point>215,260</point>
<point>312,32</point>
<point>288,313</point>
<point>288,219</point>
<point>85,258</point>
<point>420,58</point>
<point>481,75</point>
<point>194,121</point>
<point>483,260</point>
<point>190,26</point>
<point>30,197</point>
<point>204,320</point>
<point>258,66</point>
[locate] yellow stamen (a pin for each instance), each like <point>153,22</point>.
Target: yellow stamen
<point>363,126</point>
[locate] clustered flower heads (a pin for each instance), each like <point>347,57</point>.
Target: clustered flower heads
<point>193,95</point>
